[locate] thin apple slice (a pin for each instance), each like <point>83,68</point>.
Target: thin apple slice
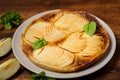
<point>9,68</point>
<point>74,43</point>
<point>52,34</point>
<point>5,46</point>
<point>70,23</point>
<point>2,40</point>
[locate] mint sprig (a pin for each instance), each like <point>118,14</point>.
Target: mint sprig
<point>40,76</point>
<point>90,28</point>
<point>39,43</point>
<point>9,19</point>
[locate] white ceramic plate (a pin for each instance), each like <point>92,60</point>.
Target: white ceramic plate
<point>24,60</point>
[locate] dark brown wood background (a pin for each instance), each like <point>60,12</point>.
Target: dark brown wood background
<point>108,10</point>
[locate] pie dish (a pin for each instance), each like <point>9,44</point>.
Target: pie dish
<point>35,68</point>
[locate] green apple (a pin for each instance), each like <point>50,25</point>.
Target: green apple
<point>5,46</point>
<point>9,68</point>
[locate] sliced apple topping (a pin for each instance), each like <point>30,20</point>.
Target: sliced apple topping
<point>94,45</point>
<point>36,31</point>
<point>74,43</point>
<point>70,22</point>
<point>52,34</point>
<point>54,56</point>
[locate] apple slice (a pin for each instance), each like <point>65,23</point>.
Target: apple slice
<point>2,40</point>
<point>9,68</point>
<point>5,46</point>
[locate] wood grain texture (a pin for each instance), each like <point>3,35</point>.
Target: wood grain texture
<point>108,10</point>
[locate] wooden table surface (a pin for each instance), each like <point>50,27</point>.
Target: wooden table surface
<point>108,10</point>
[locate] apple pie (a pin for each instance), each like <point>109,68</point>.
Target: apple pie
<point>69,47</point>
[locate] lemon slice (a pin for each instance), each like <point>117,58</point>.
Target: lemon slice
<point>5,46</point>
<point>9,68</point>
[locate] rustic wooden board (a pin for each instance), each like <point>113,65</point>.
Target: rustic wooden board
<point>108,10</point>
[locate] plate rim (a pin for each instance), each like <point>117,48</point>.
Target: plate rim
<point>32,67</point>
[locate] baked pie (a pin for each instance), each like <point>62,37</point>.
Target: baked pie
<point>69,48</point>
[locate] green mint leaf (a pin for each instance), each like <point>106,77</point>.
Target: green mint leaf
<point>40,76</point>
<point>37,76</point>
<point>15,22</point>
<point>90,28</point>
<point>10,18</point>
<point>86,28</point>
<point>6,20</point>
<point>39,43</point>
<point>8,26</point>
<point>11,15</point>
<point>1,20</point>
